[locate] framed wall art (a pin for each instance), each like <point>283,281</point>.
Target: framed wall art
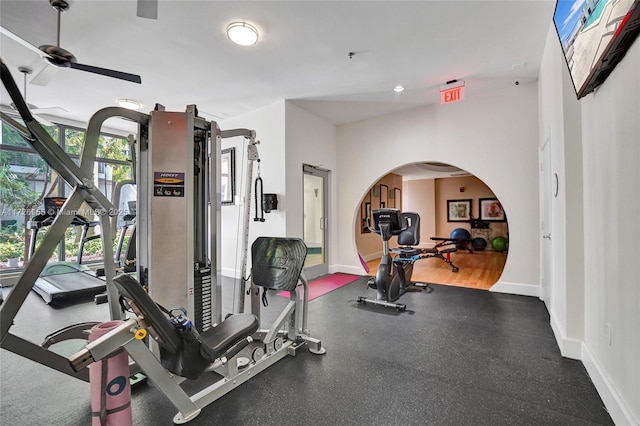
<point>227,176</point>
<point>458,210</point>
<point>491,210</point>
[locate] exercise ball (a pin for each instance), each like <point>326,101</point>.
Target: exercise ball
<point>463,235</point>
<point>500,244</point>
<point>479,243</point>
<point>460,234</point>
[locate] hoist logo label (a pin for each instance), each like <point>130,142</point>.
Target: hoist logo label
<point>168,178</point>
<point>168,184</point>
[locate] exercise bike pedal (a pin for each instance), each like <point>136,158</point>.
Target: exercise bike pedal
<point>372,283</point>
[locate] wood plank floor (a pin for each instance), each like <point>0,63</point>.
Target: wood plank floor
<point>480,269</point>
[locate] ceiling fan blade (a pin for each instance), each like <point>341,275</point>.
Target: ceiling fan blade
<point>43,121</point>
<point>48,110</point>
<point>107,72</point>
<point>148,9</point>
<point>45,75</point>
<point>23,42</point>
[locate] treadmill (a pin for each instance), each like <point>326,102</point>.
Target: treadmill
<point>63,280</point>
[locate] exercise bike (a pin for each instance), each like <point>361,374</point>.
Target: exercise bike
<point>393,277</point>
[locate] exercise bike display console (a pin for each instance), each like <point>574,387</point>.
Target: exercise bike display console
<point>387,221</point>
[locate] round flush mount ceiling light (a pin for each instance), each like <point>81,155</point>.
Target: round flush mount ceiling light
<point>129,103</point>
<point>398,89</point>
<point>242,33</point>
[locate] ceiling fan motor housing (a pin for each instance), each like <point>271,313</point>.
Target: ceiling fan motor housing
<point>60,5</point>
<point>58,56</point>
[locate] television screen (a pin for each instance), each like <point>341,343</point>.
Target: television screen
<point>595,35</point>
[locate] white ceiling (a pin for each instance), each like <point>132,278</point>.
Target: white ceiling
<point>184,57</point>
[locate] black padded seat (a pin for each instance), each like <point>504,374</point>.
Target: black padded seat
<point>219,339</point>
<point>410,236</point>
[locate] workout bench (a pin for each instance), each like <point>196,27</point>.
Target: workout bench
<point>410,237</point>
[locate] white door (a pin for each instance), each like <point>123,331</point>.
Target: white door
<point>548,190</point>
<point>316,221</point>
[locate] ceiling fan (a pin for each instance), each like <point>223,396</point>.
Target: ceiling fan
<point>34,109</point>
<point>62,58</point>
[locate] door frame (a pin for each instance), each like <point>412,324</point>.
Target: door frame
<point>547,188</point>
<point>323,268</point>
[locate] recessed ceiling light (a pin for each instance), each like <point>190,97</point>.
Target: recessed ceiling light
<point>398,89</point>
<point>129,103</point>
<point>242,33</point>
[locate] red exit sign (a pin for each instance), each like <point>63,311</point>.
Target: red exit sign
<point>454,94</point>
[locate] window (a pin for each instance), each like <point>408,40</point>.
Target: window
<point>25,180</point>
<point>73,141</point>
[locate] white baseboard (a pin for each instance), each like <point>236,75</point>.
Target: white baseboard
<point>347,269</point>
<point>228,272</point>
<point>618,409</point>
<point>577,349</point>
<point>569,348</point>
<point>516,288</point>
<point>372,256</point>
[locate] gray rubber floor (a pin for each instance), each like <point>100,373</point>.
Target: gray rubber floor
<point>456,357</point>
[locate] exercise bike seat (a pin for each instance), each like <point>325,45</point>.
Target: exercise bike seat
<point>409,237</point>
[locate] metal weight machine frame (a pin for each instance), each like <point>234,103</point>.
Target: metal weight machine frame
<point>178,259</point>
<point>284,337</point>
<point>178,209</point>
<point>80,178</point>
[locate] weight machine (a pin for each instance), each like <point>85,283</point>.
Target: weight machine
<point>178,254</point>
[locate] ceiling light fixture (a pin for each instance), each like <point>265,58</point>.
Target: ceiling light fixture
<point>129,103</point>
<point>398,89</point>
<point>242,33</point>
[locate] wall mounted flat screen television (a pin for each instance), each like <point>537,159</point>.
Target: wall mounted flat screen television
<point>595,35</point>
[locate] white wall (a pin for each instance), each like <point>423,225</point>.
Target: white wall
<point>560,125</point>
<point>268,122</point>
<point>420,196</point>
<point>309,140</point>
<point>595,295</point>
<point>289,137</point>
<point>503,123</point>
<point>611,153</point>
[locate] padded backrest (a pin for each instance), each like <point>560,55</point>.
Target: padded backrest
<point>411,235</point>
<point>277,262</point>
<point>168,335</point>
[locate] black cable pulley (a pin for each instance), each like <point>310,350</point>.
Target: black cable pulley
<point>257,183</point>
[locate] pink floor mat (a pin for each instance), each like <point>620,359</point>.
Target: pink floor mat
<point>324,285</point>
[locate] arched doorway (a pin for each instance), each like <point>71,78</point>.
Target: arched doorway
<point>447,199</point>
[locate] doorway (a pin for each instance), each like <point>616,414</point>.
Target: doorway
<point>431,194</point>
<point>316,221</point>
